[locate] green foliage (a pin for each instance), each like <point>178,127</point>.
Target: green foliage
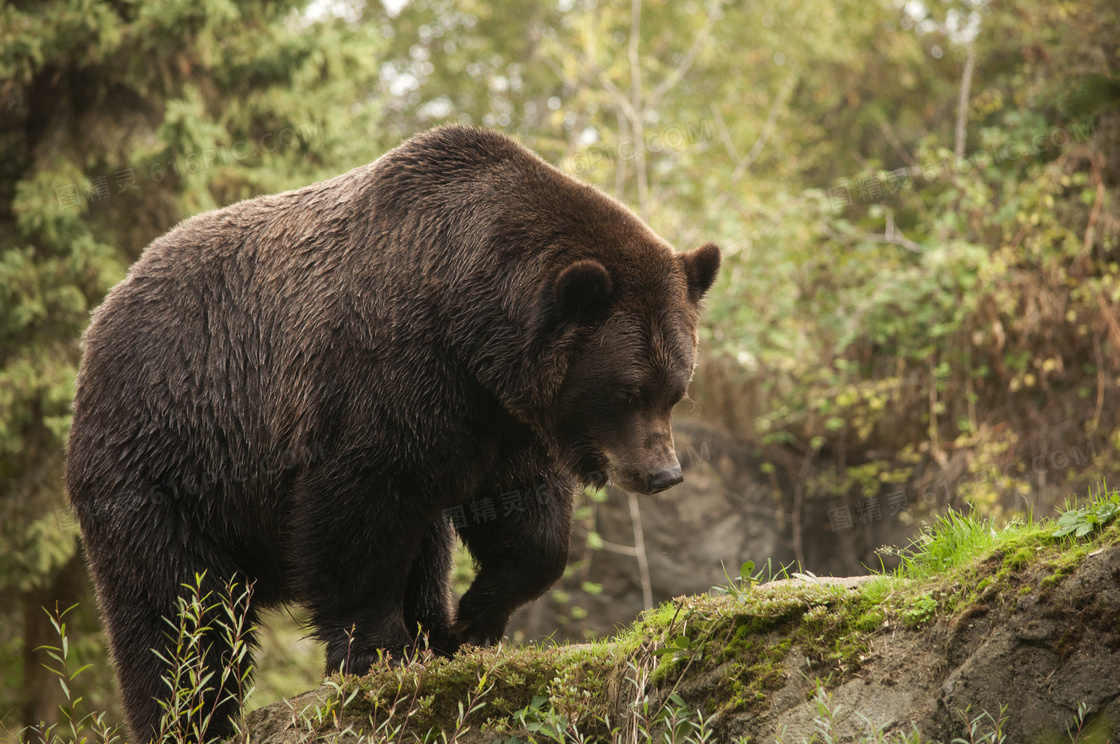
<point>954,539</point>
<point>919,610</point>
<point>827,731</point>
<point>951,540</point>
<point>983,728</point>
<point>680,647</point>
<point>540,720</point>
<point>956,307</point>
<point>73,727</point>
<point>739,587</point>
<point>1087,519</point>
<point>194,689</point>
<point>288,661</point>
<point>560,694</point>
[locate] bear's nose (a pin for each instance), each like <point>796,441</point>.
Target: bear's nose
<point>666,478</point>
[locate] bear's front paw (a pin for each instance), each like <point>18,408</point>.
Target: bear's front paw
<point>440,642</point>
<point>352,661</point>
<point>481,621</point>
<point>356,662</point>
<point>479,631</point>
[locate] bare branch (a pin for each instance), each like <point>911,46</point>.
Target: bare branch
<point>892,138</point>
<point>638,107</point>
<point>747,160</point>
<point>590,73</point>
<point>724,135</point>
<point>962,102</point>
<point>767,129</point>
<point>640,551</point>
<point>620,169</point>
<point>675,76</point>
<point>617,96</point>
<point>895,236</point>
<point>635,57</point>
<point>616,548</point>
<point>892,235</point>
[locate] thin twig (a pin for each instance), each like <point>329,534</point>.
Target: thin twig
<point>745,162</point>
<point>767,129</point>
<point>934,428</point>
<point>892,236</point>
<point>640,551</point>
<point>638,108</point>
<point>1094,215</point>
<point>962,102</point>
<point>724,135</point>
<point>795,512</point>
<point>590,72</point>
<point>620,549</point>
<point>1096,422</point>
<point>677,74</point>
<point>888,132</point>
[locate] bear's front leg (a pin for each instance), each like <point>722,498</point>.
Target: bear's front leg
<point>352,554</point>
<point>520,554</point>
<point>427,599</point>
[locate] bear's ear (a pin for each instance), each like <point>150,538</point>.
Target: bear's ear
<point>701,266</point>
<point>583,291</point>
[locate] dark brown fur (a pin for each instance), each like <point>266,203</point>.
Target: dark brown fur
<point>292,389</point>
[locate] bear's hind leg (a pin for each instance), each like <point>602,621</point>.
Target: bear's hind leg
<point>145,624</point>
<point>427,601</point>
<point>352,553</point>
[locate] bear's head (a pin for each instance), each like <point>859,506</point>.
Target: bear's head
<point>568,308</point>
<point>637,322</point>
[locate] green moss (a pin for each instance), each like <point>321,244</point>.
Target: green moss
<point>669,667</point>
<point>427,696</point>
<point>1019,558</point>
<point>870,621</point>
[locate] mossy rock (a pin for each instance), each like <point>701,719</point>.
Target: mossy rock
<point>1035,627</point>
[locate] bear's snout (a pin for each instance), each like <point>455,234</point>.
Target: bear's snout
<point>653,476</point>
<point>665,478</point>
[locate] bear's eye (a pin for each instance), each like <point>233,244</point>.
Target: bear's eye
<point>677,397</point>
<point>625,397</point>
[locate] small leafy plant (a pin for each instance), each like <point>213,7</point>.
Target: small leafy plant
<point>739,587</point>
<point>1088,519</point>
<point>74,727</point>
<point>919,610</point>
<point>198,693</point>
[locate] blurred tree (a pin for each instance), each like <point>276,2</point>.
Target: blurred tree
<point>926,294</point>
<point>118,119</point>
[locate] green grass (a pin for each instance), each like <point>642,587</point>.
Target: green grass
<point>955,539</point>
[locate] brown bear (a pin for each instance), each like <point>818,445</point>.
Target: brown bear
<point>310,391</point>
